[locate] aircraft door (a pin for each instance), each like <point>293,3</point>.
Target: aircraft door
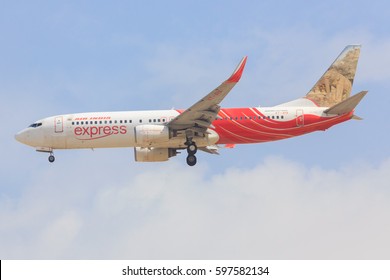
<point>58,125</point>
<point>300,118</point>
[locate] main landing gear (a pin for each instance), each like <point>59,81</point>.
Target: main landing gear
<point>191,150</point>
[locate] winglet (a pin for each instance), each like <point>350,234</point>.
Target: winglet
<point>236,76</point>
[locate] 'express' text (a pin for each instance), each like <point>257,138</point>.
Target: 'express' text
<point>96,132</point>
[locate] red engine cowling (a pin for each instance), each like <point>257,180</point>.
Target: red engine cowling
<point>153,154</point>
<point>148,134</point>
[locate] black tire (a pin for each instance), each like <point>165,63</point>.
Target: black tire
<point>191,160</point>
<point>192,149</point>
<point>51,158</point>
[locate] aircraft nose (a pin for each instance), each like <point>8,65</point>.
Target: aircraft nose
<point>21,136</point>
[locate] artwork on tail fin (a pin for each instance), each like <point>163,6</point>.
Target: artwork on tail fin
<point>336,84</point>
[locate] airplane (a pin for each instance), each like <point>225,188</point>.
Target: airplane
<point>161,134</point>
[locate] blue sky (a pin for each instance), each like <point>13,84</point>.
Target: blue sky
<point>315,196</point>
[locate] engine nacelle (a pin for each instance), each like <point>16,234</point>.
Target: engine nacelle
<point>148,134</point>
<point>153,154</point>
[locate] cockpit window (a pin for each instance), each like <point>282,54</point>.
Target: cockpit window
<point>36,125</point>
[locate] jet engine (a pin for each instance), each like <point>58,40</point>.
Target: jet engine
<point>153,154</point>
<point>146,135</point>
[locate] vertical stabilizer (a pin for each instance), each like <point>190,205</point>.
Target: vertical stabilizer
<point>336,84</point>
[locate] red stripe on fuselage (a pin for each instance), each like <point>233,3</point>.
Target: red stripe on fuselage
<point>241,125</point>
<point>249,125</point>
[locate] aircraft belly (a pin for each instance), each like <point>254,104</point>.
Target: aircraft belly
<point>179,142</point>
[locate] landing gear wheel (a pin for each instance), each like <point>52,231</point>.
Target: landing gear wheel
<point>191,160</point>
<point>51,158</point>
<point>192,148</point>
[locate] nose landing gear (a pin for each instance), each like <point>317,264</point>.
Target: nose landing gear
<point>51,158</point>
<point>47,150</point>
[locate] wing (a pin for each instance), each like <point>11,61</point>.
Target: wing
<point>200,115</point>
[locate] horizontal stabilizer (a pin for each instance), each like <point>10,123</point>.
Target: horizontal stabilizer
<point>347,105</point>
<point>230,146</point>
<point>354,117</point>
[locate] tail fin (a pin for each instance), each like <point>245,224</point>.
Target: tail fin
<point>336,84</point>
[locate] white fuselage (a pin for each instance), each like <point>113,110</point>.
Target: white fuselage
<point>106,130</point>
<point>148,128</point>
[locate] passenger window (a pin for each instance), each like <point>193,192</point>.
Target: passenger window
<point>120,121</point>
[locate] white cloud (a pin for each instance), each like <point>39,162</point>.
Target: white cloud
<point>278,209</point>
<point>61,231</point>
